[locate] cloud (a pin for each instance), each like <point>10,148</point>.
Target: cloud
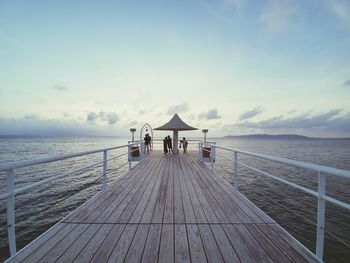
<point>183,107</point>
<point>60,88</point>
<point>329,121</point>
<point>277,15</point>
<point>142,112</point>
<point>110,117</point>
<point>210,115</point>
<point>250,113</point>
<point>341,8</point>
<point>92,117</point>
<point>347,83</point>
<point>31,116</point>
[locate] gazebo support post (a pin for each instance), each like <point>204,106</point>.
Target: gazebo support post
<point>175,141</point>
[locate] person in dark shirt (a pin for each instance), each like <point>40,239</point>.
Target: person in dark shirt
<point>147,142</point>
<point>170,145</point>
<point>165,145</point>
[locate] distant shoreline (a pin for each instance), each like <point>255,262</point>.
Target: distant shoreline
<point>278,137</point>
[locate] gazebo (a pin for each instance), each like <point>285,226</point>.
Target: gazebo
<point>175,125</point>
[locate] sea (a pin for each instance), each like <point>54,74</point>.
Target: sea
<point>39,208</point>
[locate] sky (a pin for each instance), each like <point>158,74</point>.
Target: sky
<point>232,66</point>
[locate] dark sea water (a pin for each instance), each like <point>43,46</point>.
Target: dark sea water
<point>43,206</point>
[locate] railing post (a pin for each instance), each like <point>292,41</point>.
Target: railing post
<point>235,170</point>
<point>129,156</point>
<point>10,187</point>
<point>321,215</point>
<point>104,181</point>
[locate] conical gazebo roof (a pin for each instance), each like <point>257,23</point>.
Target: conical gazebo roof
<point>175,124</point>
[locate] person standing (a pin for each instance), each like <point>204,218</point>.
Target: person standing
<point>147,140</point>
<point>184,144</point>
<point>165,145</point>
<point>170,145</point>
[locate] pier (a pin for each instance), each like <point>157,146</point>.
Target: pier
<point>167,208</point>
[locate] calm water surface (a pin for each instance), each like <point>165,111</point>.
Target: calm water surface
<point>41,207</point>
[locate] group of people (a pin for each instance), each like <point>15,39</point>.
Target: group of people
<point>168,146</point>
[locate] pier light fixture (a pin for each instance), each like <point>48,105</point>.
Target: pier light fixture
<point>205,131</point>
<point>132,130</point>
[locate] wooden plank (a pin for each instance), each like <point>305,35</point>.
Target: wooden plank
<point>121,249</point>
<point>249,209</point>
<point>93,245</point>
<point>160,201</point>
<point>211,198</point>
<point>237,243</point>
<point>233,213</point>
<point>243,203</point>
<point>107,246</point>
<point>149,209</point>
<point>166,249</point>
<point>74,249</point>
<point>210,247</point>
<point>139,210</point>
<point>187,204</point>
<point>51,243</point>
<point>285,246</point>
<point>272,250</point>
<point>195,243</point>
<point>151,251</point>
<point>256,249</point>
<point>169,199</point>
<point>227,251</point>
<point>127,206</point>
<point>112,190</point>
<point>210,215</point>
<point>182,253</point>
<point>138,244</point>
<point>197,208</point>
<point>37,243</point>
<point>179,214</point>
<point>88,213</point>
<point>116,207</point>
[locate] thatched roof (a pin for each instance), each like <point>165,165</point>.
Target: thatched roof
<point>175,124</point>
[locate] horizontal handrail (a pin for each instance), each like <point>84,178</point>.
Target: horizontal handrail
<point>320,194</point>
<point>55,177</point>
<point>300,164</point>
<point>21,164</point>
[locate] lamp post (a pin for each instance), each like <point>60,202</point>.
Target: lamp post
<point>205,131</point>
<point>132,130</point>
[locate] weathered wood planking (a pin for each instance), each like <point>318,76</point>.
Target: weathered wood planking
<point>168,208</point>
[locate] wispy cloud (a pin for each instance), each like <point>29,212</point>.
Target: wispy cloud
<point>60,87</point>
<point>331,121</point>
<point>210,115</point>
<point>183,107</point>
<point>277,15</point>
<point>31,116</point>
<point>347,83</point>
<point>250,113</point>
<point>110,117</point>
<point>341,8</point>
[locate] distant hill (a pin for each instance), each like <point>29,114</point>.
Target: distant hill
<point>279,137</point>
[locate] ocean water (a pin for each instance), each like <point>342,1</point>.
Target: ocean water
<point>43,206</point>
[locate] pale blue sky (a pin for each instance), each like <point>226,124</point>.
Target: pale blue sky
<point>233,66</point>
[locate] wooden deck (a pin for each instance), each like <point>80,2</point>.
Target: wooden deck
<point>166,209</point>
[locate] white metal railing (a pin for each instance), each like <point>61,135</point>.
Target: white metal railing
<point>322,171</point>
<point>11,191</point>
